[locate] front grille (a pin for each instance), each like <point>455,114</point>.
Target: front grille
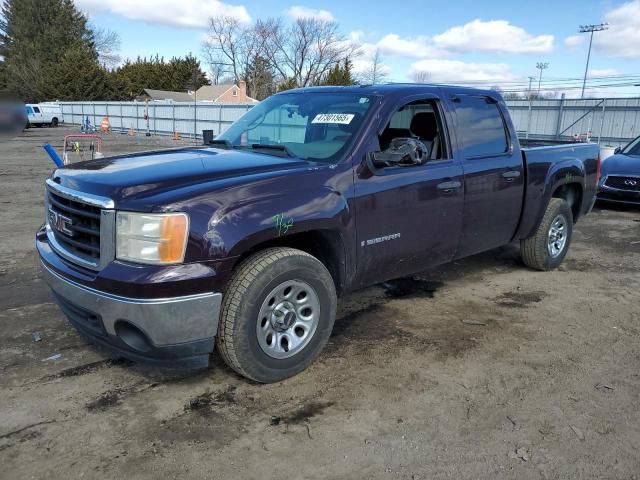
<point>75,226</point>
<point>624,183</point>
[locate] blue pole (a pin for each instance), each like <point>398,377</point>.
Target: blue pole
<point>54,156</point>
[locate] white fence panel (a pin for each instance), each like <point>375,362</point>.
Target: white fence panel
<point>611,121</point>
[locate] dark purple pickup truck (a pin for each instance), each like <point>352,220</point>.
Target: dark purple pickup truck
<point>246,243</point>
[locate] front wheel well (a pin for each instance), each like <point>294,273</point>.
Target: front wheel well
<point>325,245</point>
<point>572,194</point>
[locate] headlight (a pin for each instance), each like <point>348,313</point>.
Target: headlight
<point>155,238</point>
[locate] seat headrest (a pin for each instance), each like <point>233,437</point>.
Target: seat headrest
<point>424,125</point>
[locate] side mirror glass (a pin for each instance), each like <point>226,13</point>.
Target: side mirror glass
<point>617,150</point>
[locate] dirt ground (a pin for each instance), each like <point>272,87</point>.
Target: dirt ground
<point>478,369</point>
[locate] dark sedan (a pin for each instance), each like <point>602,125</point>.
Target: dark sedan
<point>620,180</point>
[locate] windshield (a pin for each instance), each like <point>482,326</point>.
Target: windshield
<point>312,126</point>
<point>633,148</point>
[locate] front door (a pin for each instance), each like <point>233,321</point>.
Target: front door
<point>408,217</point>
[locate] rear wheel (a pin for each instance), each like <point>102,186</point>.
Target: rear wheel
<point>547,247</point>
<point>277,314</point>
<point>54,122</point>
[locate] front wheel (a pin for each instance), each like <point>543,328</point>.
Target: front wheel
<point>547,247</point>
<point>277,314</point>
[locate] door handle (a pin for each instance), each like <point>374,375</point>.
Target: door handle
<point>511,175</point>
<point>449,187</point>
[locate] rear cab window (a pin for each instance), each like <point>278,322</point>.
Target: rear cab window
<point>481,126</point>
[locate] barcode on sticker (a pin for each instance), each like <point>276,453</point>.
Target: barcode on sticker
<point>344,118</point>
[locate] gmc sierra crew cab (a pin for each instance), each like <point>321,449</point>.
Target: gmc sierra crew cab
<point>244,244</point>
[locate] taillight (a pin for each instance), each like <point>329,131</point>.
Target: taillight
<point>598,169</point>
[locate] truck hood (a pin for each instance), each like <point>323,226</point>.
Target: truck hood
<point>621,165</point>
<point>131,178</point>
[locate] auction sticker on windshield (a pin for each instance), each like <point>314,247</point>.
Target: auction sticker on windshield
<point>343,118</point>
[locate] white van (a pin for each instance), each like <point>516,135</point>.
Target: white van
<point>44,114</point>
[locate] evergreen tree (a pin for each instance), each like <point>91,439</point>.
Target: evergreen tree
<point>78,76</point>
<point>259,77</point>
<point>178,75</point>
<point>339,74</point>
<point>34,36</point>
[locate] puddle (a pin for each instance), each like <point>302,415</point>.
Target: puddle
<point>306,412</point>
<point>519,299</point>
<point>410,287</point>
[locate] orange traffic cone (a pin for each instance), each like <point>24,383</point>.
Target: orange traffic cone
<point>132,132</point>
<point>176,135</point>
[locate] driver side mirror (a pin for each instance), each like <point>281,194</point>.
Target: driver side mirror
<point>388,159</point>
<point>401,152</point>
<point>617,150</point>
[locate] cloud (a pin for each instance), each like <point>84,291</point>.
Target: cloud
<point>574,41</point>
<point>299,12</point>
<point>456,71</point>
<point>186,13</point>
<point>495,36</point>
<point>416,47</point>
<point>623,37</point>
<point>603,72</point>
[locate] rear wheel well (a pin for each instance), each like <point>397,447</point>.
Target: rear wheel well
<point>325,245</point>
<point>572,194</point>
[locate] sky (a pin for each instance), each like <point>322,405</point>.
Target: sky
<point>495,42</point>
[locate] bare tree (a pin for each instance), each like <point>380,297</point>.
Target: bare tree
<point>376,73</point>
<point>106,44</point>
<point>305,50</point>
<point>421,77</point>
<point>230,47</point>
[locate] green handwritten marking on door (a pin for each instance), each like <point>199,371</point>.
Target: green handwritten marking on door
<point>282,225</point>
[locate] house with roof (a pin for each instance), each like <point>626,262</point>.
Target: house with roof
<point>222,93</point>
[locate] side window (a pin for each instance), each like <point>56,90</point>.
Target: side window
<point>420,120</point>
<point>481,126</point>
<point>36,109</point>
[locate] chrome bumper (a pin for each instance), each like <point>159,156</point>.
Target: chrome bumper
<point>164,322</point>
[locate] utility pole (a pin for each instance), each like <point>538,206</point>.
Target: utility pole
<point>590,29</point>
<point>541,66</point>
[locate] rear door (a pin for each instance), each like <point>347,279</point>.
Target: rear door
<point>493,173</point>
<point>407,217</point>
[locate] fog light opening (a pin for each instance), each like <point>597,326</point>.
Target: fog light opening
<point>132,336</point>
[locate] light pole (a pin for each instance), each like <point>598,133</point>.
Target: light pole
<point>541,66</point>
<point>590,29</point>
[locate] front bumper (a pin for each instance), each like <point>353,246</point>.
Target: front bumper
<point>614,195</point>
<point>171,332</point>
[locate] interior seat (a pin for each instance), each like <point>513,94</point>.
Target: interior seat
<point>425,126</point>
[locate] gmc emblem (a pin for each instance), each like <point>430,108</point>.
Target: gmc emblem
<point>60,223</point>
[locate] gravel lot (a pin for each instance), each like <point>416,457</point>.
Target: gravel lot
<point>478,369</point>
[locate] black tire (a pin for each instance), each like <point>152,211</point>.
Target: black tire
<point>251,285</point>
<point>536,250</point>
<point>54,122</point>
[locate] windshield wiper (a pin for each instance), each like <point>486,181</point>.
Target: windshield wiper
<point>266,146</point>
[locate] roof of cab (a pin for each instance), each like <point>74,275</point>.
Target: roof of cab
<point>394,88</point>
